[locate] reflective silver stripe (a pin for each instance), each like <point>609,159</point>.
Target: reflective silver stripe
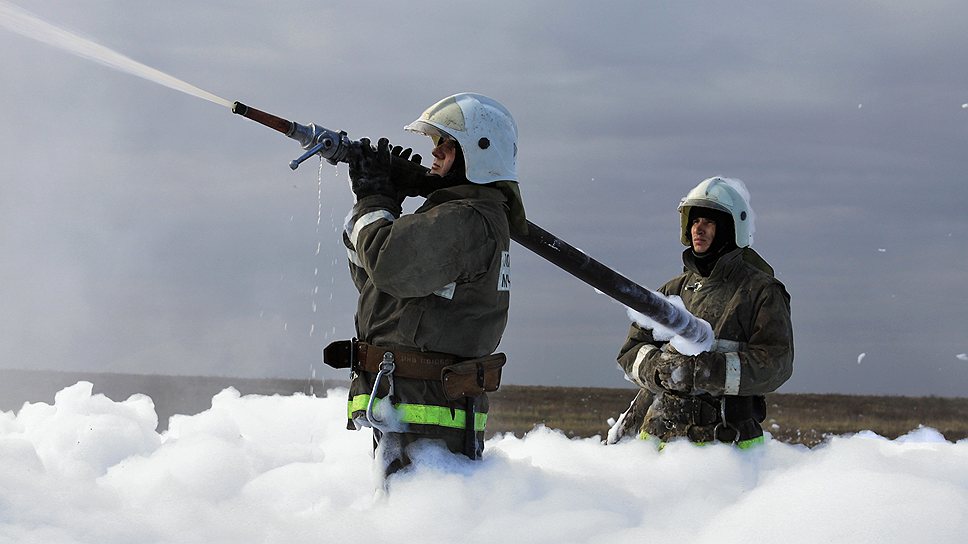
<point>348,222</point>
<point>354,258</point>
<point>447,291</point>
<point>732,374</point>
<point>724,346</point>
<point>365,220</point>
<point>639,359</point>
<point>625,376</point>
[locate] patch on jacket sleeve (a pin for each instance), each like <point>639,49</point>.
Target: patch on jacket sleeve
<point>504,278</point>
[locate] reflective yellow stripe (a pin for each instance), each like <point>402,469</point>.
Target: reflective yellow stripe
<point>742,444</point>
<point>746,444</point>
<point>422,414</point>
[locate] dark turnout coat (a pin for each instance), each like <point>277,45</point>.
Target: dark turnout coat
<point>749,311</point>
<point>436,280</point>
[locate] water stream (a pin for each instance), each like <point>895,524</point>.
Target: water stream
<point>25,23</point>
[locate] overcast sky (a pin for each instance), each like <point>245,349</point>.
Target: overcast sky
<point>145,230</point>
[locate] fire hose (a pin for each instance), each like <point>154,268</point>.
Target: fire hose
<point>337,147</point>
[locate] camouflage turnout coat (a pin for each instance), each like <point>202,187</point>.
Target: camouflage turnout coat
<point>749,311</point>
<point>436,280</point>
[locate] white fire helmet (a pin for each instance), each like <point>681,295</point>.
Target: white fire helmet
<point>726,195</point>
<point>485,130</point>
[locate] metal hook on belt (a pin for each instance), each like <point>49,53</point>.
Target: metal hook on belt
<point>386,369</point>
<point>723,424</point>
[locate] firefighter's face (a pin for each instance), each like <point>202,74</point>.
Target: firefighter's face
<point>444,155</point>
<point>703,231</point>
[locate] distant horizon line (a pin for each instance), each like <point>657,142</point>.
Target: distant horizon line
<point>340,382</point>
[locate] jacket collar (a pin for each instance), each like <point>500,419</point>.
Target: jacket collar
<point>721,270</point>
<point>728,263</point>
<point>467,190</point>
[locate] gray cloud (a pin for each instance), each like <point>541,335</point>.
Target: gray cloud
<point>145,230</point>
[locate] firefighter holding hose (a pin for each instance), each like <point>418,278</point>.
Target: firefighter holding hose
<point>435,284</point>
<point>717,395</point>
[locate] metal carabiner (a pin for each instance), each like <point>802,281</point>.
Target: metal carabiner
<point>387,367</point>
<point>724,424</point>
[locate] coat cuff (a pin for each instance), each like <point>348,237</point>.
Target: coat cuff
<point>371,202</point>
<point>641,364</point>
<point>633,372</point>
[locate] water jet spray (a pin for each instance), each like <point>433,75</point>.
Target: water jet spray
<point>26,24</point>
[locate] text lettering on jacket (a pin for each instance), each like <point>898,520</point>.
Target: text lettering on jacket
<point>504,279</point>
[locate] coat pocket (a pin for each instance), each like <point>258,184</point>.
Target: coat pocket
<point>474,377</point>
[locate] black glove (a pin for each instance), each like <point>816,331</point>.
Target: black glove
<point>370,170</point>
<point>407,177</point>
<point>404,154</point>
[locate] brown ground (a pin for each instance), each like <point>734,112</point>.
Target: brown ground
<point>580,412</point>
<point>794,418</point>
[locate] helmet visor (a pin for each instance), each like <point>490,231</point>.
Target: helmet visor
<point>703,203</point>
<point>423,127</point>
